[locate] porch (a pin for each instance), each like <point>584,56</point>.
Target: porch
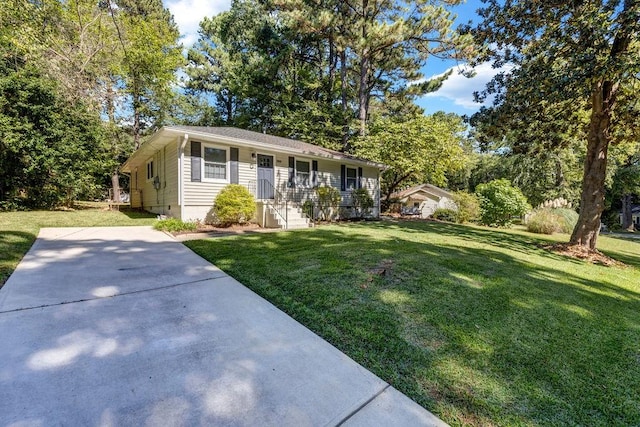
<point>277,210</point>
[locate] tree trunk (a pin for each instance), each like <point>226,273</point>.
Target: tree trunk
<point>115,183</point>
<point>343,98</point>
<point>363,84</point>
<point>332,67</point>
<point>393,184</point>
<point>627,215</point>
<point>135,95</point>
<point>587,228</point>
<point>363,95</point>
<point>560,180</point>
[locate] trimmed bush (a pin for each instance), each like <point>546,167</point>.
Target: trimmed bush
<point>174,225</point>
<point>468,206</point>
<point>234,205</point>
<point>361,201</point>
<point>500,202</point>
<point>443,214</point>
<point>549,221</point>
<point>328,200</point>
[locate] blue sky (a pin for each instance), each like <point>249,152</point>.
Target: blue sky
<point>456,94</point>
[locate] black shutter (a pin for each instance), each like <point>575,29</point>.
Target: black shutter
<point>359,177</point>
<point>314,173</point>
<point>343,178</point>
<point>292,173</point>
<point>196,164</point>
<point>234,173</point>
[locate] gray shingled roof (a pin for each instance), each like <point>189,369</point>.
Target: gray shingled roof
<point>276,141</point>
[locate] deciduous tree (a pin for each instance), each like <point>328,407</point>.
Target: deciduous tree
<point>418,150</point>
<point>569,55</point>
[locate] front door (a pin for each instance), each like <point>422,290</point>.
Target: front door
<point>265,177</point>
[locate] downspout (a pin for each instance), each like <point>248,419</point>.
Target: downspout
<point>181,174</point>
<point>378,195</point>
<point>164,179</point>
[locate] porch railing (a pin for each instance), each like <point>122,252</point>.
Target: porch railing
<point>264,190</point>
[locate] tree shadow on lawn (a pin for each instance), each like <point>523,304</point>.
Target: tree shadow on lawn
<point>520,242</point>
<point>624,250</point>
<point>137,213</point>
<point>478,335</point>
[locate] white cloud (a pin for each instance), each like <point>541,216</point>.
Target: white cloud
<point>189,13</point>
<point>459,89</point>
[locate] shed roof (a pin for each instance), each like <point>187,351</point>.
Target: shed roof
<point>422,188</point>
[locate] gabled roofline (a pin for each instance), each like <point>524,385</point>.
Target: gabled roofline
<point>163,137</point>
<point>425,188</point>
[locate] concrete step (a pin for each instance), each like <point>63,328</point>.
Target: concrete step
<point>294,215</point>
<point>297,226</point>
<point>296,222</point>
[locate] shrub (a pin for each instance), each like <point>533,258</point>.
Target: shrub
<point>569,219</point>
<point>543,221</point>
<point>549,221</point>
<point>611,219</point>
<point>468,206</point>
<point>308,209</point>
<point>444,214</point>
<point>361,201</point>
<point>328,200</point>
<point>500,202</point>
<point>174,225</point>
<point>234,205</point>
<point>345,212</point>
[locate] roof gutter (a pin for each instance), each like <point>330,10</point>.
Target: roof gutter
<point>251,144</point>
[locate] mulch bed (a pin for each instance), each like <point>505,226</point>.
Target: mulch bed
<point>232,229</point>
<point>586,254</point>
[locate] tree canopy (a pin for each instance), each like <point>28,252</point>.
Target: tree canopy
<point>567,57</point>
<point>416,150</point>
<point>314,70</point>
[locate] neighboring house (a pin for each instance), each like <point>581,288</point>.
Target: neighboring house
<point>635,216</point>
<point>180,170</point>
<point>422,200</point>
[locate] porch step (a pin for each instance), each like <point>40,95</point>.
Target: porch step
<point>295,218</point>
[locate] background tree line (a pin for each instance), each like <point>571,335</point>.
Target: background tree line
<point>80,82</point>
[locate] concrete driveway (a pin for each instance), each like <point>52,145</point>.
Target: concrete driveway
<point>126,326</point>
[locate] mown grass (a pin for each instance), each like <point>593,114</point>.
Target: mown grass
<point>480,326</point>
<point>18,230</point>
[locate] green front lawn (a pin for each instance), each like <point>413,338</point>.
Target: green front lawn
<point>480,326</point>
<point>18,230</point>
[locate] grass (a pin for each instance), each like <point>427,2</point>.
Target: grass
<point>18,230</point>
<point>480,326</point>
<point>174,225</point>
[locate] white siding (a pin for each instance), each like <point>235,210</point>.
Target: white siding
<point>427,207</point>
<point>199,196</point>
<point>165,199</point>
<point>329,175</point>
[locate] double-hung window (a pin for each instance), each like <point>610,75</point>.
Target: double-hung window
<point>303,174</point>
<point>215,163</point>
<point>150,173</point>
<point>352,178</point>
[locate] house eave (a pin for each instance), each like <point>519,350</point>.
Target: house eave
<point>168,134</point>
<point>270,147</point>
